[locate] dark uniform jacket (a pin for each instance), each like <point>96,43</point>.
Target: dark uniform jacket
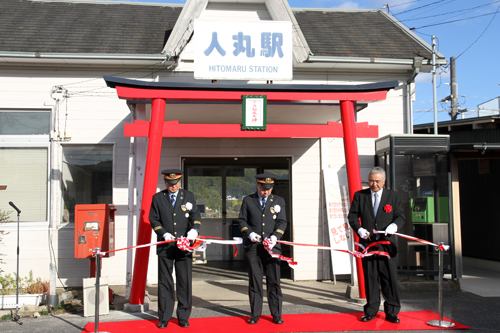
<point>176,220</point>
<point>271,221</point>
<point>362,208</point>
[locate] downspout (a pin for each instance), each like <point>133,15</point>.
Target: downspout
<point>417,64</point>
<point>130,219</point>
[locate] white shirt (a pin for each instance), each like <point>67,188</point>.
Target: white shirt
<point>379,193</point>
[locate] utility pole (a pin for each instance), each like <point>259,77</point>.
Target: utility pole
<point>453,96</point>
<point>454,90</point>
<point>434,99</point>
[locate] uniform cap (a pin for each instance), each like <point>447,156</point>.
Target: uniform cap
<point>172,176</point>
<point>265,180</point>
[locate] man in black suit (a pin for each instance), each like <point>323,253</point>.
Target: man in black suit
<point>262,216</point>
<point>378,209</point>
<point>174,214</point>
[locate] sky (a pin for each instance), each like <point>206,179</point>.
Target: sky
<point>465,29</point>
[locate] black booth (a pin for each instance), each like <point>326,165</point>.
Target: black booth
<point>417,168</point>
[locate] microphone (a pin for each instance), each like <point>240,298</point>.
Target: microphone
<point>14,206</point>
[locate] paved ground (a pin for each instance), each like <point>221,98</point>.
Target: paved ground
<point>221,293</point>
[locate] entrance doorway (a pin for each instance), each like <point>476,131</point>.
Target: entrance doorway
<point>219,185</point>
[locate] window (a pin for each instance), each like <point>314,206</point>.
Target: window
<point>206,184</point>
<point>24,161</point>
<point>25,172</point>
<point>24,122</point>
<point>87,177</point>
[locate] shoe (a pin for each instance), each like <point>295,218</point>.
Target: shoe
<point>367,317</point>
<point>253,320</point>
<point>183,323</point>
<point>278,320</point>
<point>392,319</point>
<point>163,324</point>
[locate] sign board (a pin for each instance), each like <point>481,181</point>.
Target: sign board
<point>337,207</point>
<point>254,112</point>
<point>243,50</point>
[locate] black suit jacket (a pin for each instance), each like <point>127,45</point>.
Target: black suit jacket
<point>176,220</point>
<point>389,211</point>
<point>271,221</point>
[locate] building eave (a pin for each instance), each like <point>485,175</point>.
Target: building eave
<point>81,58</point>
<point>366,63</point>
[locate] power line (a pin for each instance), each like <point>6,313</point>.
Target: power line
<point>448,13</point>
<point>406,3</point>
<point>498,8</point>
<point>464,19</point>
<point>410,10</point>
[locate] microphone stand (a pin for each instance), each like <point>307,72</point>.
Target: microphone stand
<point>16,317</point>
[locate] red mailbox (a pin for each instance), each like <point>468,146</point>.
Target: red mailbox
<point>94,227</point>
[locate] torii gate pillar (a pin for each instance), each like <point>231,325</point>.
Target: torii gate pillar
<point>353,171</point>
<point>150,181</point>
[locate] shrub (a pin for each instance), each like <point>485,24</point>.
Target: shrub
<point>4,218</point>
<point>38,287</point>
<point>27,285</point>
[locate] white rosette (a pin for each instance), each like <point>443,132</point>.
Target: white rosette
<point>189,206</point>
<point>277,208</point>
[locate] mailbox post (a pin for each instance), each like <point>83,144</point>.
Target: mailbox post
<point>94,227</point>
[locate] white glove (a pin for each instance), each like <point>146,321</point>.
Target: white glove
<point>254,237</point>
<point>168,236</point>
<point>192,234</point>
<point>363,233</point>
<point>391,229</point>
<point>273,241</point>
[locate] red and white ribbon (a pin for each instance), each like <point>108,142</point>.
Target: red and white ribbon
<point>357,254</point>
<point>216,240</point>
<point>185,244</point>
<point>199,244</point>
<point>267,245</point>
<point>440,246</point>
<point>136,246</point>
<point>365,253</point>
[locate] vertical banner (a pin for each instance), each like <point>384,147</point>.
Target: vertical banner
<point>337,208</point>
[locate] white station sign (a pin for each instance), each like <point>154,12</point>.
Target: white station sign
<point>243,50</point>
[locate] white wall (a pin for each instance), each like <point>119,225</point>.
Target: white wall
<point>94,115</point>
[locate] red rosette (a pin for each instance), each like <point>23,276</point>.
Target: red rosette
<point>387,208</point>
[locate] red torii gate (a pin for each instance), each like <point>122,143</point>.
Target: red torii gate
<point>158,93</point>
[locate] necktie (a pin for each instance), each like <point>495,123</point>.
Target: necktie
<point>375,203</point>
<point>263,204</point>
<point>172,198</point>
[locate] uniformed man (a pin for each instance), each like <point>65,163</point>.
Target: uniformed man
<point>174,214</point>
<point>262,216</point>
